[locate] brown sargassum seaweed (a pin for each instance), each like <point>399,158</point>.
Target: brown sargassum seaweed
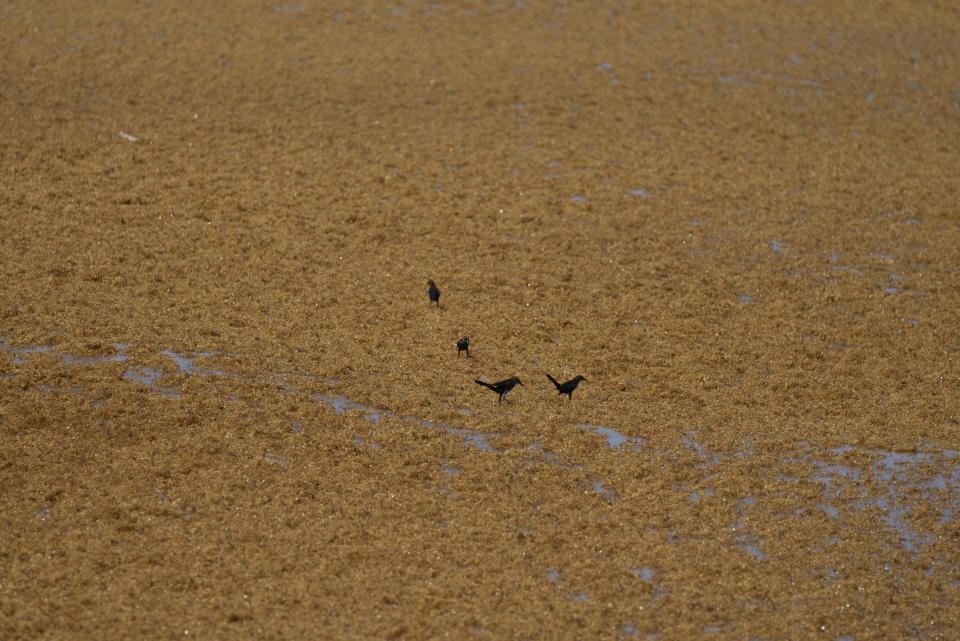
<point>228,410</point>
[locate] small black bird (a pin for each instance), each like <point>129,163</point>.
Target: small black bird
<point>568,387</point>
<point>463,345</point>
<point>433,292</point>
<point>501,387</point>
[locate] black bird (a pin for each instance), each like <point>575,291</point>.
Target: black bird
<point>433,292</point>
<point>568,387</point>
<point>501,387</point>
<point>463,345</point>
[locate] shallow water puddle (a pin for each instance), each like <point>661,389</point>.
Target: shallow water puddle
<point>341,404</point>
<point>148,376</point>
<point>615,438</point>
<point>472,438</point>
<point>120,356</point>
<point>550,457</point>
<point>695,495</point>
<point>137,373</point>
<point>185,363</point>
<point>35,349</point>
<point>270,457</point>
<point>373,414</point>
<point>17,351</point>
<point>645,573</point>
<point>748,542</point>
<point>605,492</point>
<point>60,388</point>
<point>895,482</point>
<point>696,447</point>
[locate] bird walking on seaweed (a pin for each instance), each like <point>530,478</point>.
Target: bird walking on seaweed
<point>501,387</point>
<point>433,292</point>
<point>568,387</point>
<point>463,345</point>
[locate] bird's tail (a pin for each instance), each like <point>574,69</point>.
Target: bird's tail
<point>484,383</point>
<point>553,380</point>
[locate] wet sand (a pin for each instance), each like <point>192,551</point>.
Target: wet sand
<point>228,410</point>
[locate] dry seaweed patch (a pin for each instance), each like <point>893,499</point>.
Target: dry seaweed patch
<point>226,407</point>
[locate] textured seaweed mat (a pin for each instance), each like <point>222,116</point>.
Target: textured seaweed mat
<point>228,411</point>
